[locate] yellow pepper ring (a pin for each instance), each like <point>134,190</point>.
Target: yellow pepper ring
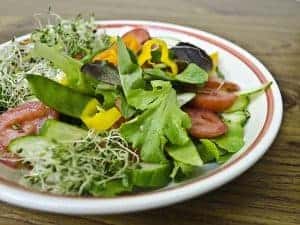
<point>146,54</point>
<point>99,121</point>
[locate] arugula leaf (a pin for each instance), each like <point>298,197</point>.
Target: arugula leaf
<point>233,140</point>
<point>186,154</point>
<point>162,121</point>
<point>193,74</point>
<point>143,99</point>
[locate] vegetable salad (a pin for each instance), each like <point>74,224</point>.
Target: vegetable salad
<point>91,114</point>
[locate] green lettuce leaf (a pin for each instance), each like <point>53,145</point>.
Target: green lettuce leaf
<point>162,121</point>
<point>208,150</point>
<point>233,140</point>
<point>193,74</point>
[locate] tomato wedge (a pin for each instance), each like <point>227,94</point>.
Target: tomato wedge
<point>205,123</point>
<point>217,95</point>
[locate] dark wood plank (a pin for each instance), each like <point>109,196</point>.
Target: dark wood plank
<point>268,193</point>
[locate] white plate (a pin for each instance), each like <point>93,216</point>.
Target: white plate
<point>237,65</point>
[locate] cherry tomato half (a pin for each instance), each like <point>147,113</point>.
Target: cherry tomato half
<point>217,95</point>
<point>205,123</point>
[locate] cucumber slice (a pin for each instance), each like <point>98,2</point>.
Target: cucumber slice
<point>240,117</point>
<point>31,147</point>
<point>240,104</point>
<point>59,131</point>
<point>151,175</point>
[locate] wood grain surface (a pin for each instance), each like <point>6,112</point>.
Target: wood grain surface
<point>268,193</point>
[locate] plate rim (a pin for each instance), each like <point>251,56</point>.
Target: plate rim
<point>23,197</point>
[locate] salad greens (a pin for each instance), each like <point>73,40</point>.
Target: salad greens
<point>161,122</point>
<point>133,110</point>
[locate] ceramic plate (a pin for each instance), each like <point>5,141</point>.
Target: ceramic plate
<point>238,66</point>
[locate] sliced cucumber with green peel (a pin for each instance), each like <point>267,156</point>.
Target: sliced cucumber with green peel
<point>240,117</point>
<point>31,147</point>
<point>151,175</point>
<point>240,104</point>
<point>59,131</point>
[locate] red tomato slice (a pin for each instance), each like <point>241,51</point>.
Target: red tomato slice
<point>140,34</point>
<point>217,95</point>
<point>217,101</point>
<point>217,83</point>
<point>205,123</point>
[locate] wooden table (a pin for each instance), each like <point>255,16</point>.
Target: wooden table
<point>268,193</point>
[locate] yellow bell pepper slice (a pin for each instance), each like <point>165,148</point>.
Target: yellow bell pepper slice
<point>99,120</point>
<point>146,54</point>
<point>215,60</point>
<point>111,54</point>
